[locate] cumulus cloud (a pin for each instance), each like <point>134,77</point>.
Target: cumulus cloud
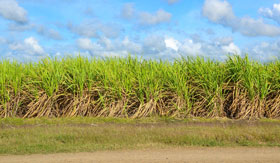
<point>131,46</point>
<point>172,43</point>
<point>9,9</point>
<point>160,16</point>
<point>85,29</point>
<point>231,49</point>
<point>106,47</point>
<point>220,12</point>
<point>145,18</point>
<point>170,2</point>
<point>93,28</point>
<point>218,48</point>
<point>128,11</point>
<point>223,40</point>
<point>101,48</point>
<point>87,44</point>
<point>84,43</point>
<point>252,27</point>
<point>215,49</point>
<point>33,45</point>
<point>271,13</point>
<point>21,27</point>
<point>151,46</point>
<point>106,43</point>
<point>209,31</point>
<point>40,29</point>
<point>30,46</point>
<point>3,40</point>
<point>189,47</point>
<point>89,11</point>
<point>264,51</point>
<point>49,33</point>
<point>155,46</point>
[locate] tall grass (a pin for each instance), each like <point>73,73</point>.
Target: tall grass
<point>133,87</point>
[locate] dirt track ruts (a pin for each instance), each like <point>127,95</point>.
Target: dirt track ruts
<point>191,154</point>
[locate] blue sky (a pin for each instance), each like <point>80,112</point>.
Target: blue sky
<point>34,29</point>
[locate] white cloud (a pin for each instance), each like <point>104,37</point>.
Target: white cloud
<point>33,45</point>
<point>188,47</point>
<point>84,43</point>
<point>85,29</point>
<point>172,43</point>
<point>106,43</point>
<point>3,40</point>
<point>131,46</point>
<point>128,11</point>
<point>220,12</point>
<point>223,40</point>
<point>264,51</point>
<point>21,27</point>
<point>106,47</point>
<point>231,49</point>
<point>30,46</point>
<point>93,28</point>
<point>89,11</point>
<point>273,13</point>
<point>170,2</point>
<point>110,30</point>
<point>87,44</point>
<point>9,9</point>
<point>100,48</point>
<point>40,29</point>
<point>154,44</point>
<point>49,33</point>
<point>209,31</point>
<point>217,48</point>
<point>252,27</point>
<point>159,17</point>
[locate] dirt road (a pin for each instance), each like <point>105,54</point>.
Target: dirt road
<point>160,155</point>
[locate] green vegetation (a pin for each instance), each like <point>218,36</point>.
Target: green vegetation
<point>133,88</point>
<point>27,136</point>
<point>17,122</point>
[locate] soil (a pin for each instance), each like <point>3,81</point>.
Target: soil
<point>188,155</point>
